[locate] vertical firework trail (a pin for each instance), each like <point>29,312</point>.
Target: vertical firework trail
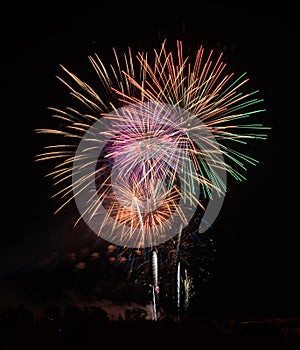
<point>178,290</point>
<point>187,289</point>
<point>155,287</point>
<point>178,271</point>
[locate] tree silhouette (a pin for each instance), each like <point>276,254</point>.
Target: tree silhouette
<point>135,314</point>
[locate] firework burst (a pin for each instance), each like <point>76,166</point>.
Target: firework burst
<point>150,146</point>
<point>148,152</point>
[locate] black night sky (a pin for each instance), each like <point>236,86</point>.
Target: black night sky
<point>43,260</point>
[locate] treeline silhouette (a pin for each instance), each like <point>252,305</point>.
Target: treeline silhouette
<point>89,327</point>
